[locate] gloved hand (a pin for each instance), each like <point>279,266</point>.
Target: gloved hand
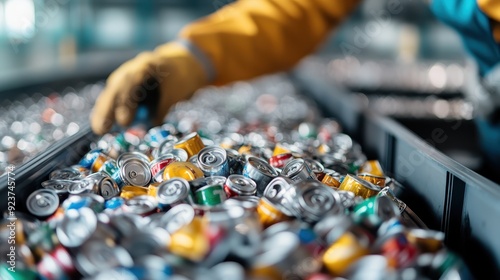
<point>170,71</point>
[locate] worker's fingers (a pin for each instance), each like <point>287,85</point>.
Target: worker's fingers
<point>103,113</point>
<point>132,91</point>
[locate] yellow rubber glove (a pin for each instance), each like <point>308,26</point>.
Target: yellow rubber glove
<point>171,71</point>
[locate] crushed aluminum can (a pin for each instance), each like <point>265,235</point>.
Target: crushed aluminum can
<point>298,170</point>
<point>158,165</point>
<point>76,227</point>
<point>103,185</point>
<point>260,172</point>
<point>96,255</point>
<point>60,186</point>
<point>123,157</point>
<point>142,205</point>
<point>313,201</point>
<point>65,174</point>
<point>177,217</point>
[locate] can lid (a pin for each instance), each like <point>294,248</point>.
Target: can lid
<point>211,156</point>
<point>123,157</point>
<point>42,202</point>
<point>97,255</point>
<point>262,166</point>
<point>135,172</point>
<point>108,188</point>
<point>172,191</point>
<point>241,184</point>
<point>279,189</point>
<point>316,200</point>
<point>294,167</point>
<point>76,227</point>
<point>177,217</point>
<point>140,205</point>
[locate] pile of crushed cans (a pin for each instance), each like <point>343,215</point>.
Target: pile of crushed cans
<point>241,182</point>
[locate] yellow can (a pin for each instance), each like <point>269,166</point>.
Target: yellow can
<point>185,170</point>
<point>359,187</point>
<point>191,143</point>
<point>330,181</point>
<point>99,161</point>
<point>190,241</point>
<point>129,192</point>
<point>374,179</point>
<point>152,188</point>
<point>280,149</point>
<point>345,251</point>
<point>270,214</point>
<point>372,167</point>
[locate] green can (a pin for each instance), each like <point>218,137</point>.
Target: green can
<point>109,167</point>
<point>210,195</point>
<point>11,273</point>
<point>373,211</point>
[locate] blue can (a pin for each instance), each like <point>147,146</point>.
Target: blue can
<point>114,203</point>
<point>212,160</point>
<point>89,158</point>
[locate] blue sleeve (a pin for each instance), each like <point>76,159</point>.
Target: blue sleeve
<point>474,27</point>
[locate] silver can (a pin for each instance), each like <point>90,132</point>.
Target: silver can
<point>60,186</point>
<point>172,192</point>
<point>65,174</point>
<point>314,201</point>
<point>135,172</point>
<point>103,185</point>
<point>76,227</point>
<point>96,256</point>
<point>239,185</point>
<point>260,172</point>
<point>212,160</point>
<point>316,166</point>
<point>142,205</point>
<point>249,203</point>
<point>177,217</point>
<point>42,202</point>
<point>298,170</point>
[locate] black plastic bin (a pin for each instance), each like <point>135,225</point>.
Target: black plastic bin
<point>444,194</point>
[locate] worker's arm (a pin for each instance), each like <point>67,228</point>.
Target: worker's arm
<point>240,41</point>
<point>254,37</point>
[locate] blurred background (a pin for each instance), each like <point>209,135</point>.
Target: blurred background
<point>54,55</point>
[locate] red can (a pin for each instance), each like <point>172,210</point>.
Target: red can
<point>279,161</point>
<point>239,185</point>
<point>399,252</point>
<point>158,164</point>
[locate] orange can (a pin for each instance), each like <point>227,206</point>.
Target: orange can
<point>190,241</point>
<point>191,143</point>
<point>345,251</point>
<point>99,161</point>
<point>372,167</point>
<point>270,213</point>
<point>129,192</point>
<point>374,179</point>
<point>185,170</point>
<point>359,187</point>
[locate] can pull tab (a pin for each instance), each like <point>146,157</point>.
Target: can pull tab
<point>148,107</point>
